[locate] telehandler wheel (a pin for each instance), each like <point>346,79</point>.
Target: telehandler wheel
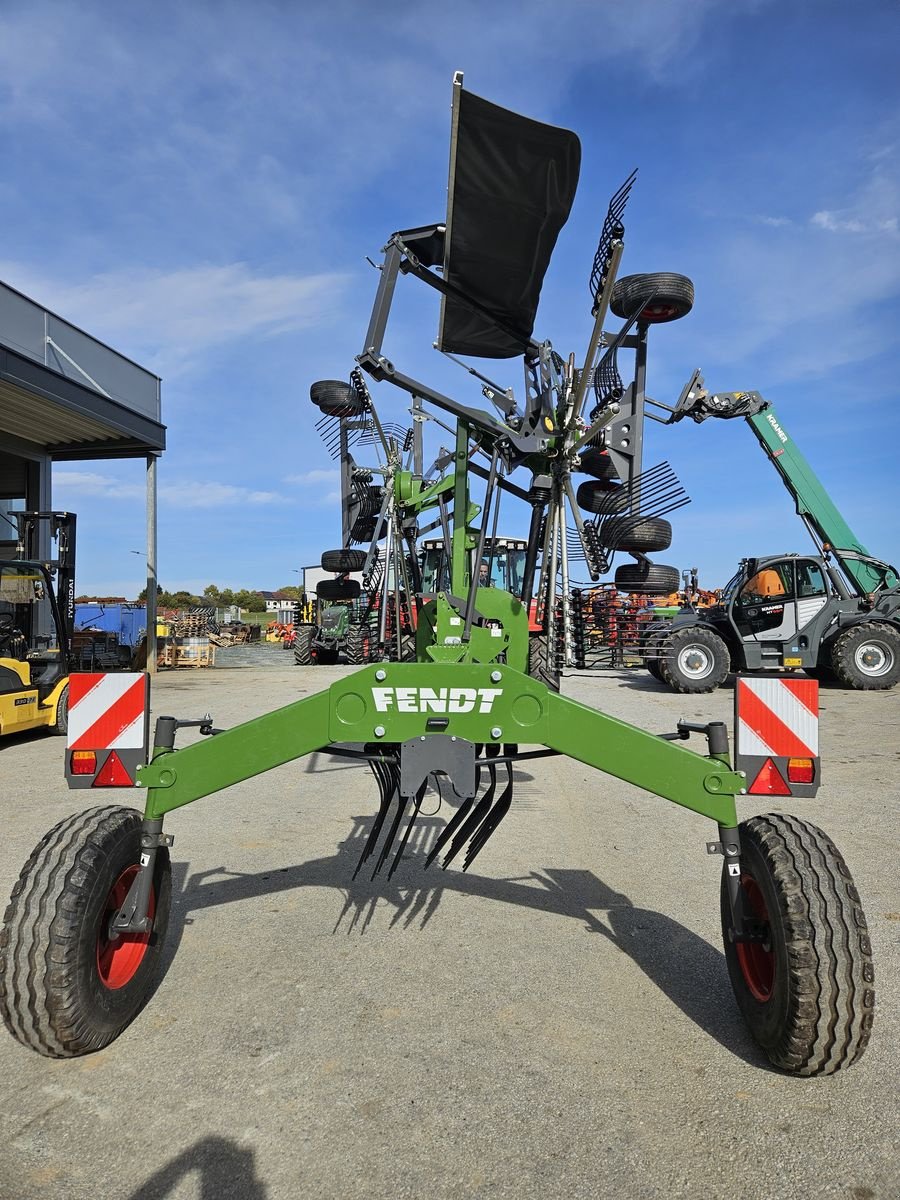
<point>338,589</point>
<point>336,398</point>
<point>343,560</point>
<point>805,990</point>
<point>652,649</point>
<point>668,297</point>
<point>66,986</point>
<point>303,646</point>
<point>694,660</point>
<point>643,534</point>
<point>61,724</point>
<point>867,656</point>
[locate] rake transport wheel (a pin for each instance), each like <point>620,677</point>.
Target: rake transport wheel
<point>599,495</point>
<point>66,986</point>
<point>805,990</point>
<point>668,297</point>
<point>336,398</point>
<point>303,646</point>
<point>644,534</point>
<point>343,560</point>
<point>653,579</point>
<point>694,660</point>
<point>598,463</point>
<point>867,657</point>
<point>338,589</point>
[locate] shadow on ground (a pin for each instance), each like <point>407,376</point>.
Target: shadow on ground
<point>225,1171</point>
<point>687,969</point>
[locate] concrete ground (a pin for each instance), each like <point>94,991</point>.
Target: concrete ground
<point>558,1022</point>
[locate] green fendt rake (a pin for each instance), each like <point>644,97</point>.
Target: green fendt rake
<point>88,916</point>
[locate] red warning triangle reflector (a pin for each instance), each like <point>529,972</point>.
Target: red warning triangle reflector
<point>769,781</point>
<point>113,773</point>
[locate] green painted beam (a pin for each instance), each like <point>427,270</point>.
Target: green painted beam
<point>394,702</point>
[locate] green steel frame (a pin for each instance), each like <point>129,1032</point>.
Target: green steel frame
<point>373,706</point>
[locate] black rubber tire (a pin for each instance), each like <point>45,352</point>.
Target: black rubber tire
<point>643,534</point>
<point>338,589</point>
<point>343,560</point>
<point>866,657</point>
<point>651,649</point>
<point>356,648</point>
<point>537,662</point>
<point>669,297</point>
<point>407,649</point>
<point>600,496</point>
<point>598,463</point>
<point>711,653</point>
<point>53,997</point>
<point>653,579</point>
<point>806,993</point>
<point>302,646</point>
<point>61,725</point>
<point>336,398</point>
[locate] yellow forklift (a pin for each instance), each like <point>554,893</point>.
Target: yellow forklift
<point>36,623</point>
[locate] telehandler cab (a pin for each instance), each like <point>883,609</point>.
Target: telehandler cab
<point>85,926</point>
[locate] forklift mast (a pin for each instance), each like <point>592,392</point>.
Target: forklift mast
<point>62,531</point>
<point>816,509</point>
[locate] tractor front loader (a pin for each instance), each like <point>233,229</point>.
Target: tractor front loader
<point>88,916</point>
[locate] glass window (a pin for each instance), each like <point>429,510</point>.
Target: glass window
<point>810,580</point>
<point>772,582</point>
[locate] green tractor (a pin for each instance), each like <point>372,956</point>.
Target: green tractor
<point>341,633</point>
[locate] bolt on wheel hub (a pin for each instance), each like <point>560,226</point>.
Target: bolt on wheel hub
<point>694,661</point>
<point>874,659</point>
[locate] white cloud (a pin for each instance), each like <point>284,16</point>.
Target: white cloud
<point>311,478</point>
<point>176,316</point>
<point>89,483</point>
<point>835,222</point>
<point>181,495</point>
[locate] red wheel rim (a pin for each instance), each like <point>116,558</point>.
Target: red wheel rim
<point>119,958</point>
<point>757,961</point>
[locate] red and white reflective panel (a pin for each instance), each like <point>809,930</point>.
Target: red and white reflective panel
<point>107,712</point>
<point>778,717</point>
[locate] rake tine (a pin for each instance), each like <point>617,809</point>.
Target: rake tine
<point>417,804</point>
<point>454,823</point>
<point>391,833</point>
<point>383,776</point>
<point>491,821</point>
<point>478,813</point>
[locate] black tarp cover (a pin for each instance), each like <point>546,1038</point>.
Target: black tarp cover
<point>512,184</point>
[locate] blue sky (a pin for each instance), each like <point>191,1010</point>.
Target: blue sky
<point>199,185</point>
